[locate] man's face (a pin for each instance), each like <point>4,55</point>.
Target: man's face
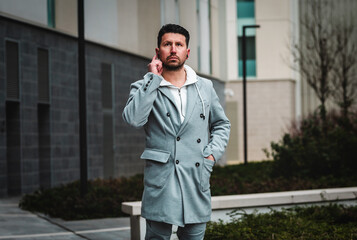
<point>173,51</point>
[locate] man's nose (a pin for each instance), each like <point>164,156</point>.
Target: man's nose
<point>173,49</point>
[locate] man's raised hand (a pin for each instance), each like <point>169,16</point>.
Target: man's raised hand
<point>155,66</point>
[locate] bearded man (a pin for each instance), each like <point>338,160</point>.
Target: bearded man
<point>186,133</point>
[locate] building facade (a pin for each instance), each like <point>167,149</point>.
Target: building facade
<point>273,95</point>
<point>39,119</point>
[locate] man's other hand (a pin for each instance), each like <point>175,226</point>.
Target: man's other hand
<point>155,66</point>
<point>210,157</point>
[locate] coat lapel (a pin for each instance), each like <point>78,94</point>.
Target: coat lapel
<point>191,103</point>
<point>174,117</point>
<point>167,93</point>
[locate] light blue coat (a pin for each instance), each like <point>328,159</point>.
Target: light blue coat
<point>176,176</point>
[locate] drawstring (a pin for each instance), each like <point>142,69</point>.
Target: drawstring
<point>203,106</point>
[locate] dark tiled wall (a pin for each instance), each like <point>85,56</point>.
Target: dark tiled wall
<point>129,142</point>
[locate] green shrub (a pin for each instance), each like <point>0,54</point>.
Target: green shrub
<point>104,197</point>
<point>318,223</point>
<point>103,200</point>
<point>317,148</point>
<point>256,177</point>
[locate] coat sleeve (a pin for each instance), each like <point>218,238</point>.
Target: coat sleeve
<point>219,126</point>
<point>141,98</point>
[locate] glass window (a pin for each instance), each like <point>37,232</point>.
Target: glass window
<point>246,16</point>
<point>12,70</point>
<point>51,17</point>
<point>245,8</point>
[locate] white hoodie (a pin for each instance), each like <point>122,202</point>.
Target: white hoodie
<point>180,94</point>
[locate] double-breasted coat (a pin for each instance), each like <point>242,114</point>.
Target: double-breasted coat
<point>176,175</point>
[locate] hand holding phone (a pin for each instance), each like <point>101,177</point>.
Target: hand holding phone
<point>155,66</point>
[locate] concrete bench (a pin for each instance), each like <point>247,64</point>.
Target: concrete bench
<point>261,202</point>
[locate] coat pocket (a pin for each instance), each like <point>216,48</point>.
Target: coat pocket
<point>206,174</point>
<point>157,167</point>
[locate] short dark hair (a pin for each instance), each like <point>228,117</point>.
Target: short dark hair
<point>172,28</point>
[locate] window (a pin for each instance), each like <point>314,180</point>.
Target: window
<point>13,148</point>
<point>51,13</point>
<point>245,8</point>
<point>44,144</point>
<point>246,16</point>
<point>12,71</point>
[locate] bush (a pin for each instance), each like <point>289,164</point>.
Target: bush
<point>318,223</point>
<point>103,200</point>
<point>317,148</point>
<point>257,177</point>
<point>104,197</point>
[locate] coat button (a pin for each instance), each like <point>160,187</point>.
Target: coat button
<point>151,77</point>
<point>147,84</point>
<point>178,138</point>
<point>198,140</point>
<point>168,114</point>
<point>145,89</point>
<point>177,161</point>
<point>197,164</point>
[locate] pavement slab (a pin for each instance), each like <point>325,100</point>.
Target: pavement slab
<point>18,224</point>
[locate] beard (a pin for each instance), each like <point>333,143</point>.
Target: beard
<point>172,67</point>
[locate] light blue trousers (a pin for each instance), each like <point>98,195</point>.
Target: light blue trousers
<point>163,231</point>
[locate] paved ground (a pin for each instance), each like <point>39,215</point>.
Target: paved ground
<point>22,225</point>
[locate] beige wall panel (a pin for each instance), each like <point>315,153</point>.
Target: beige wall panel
<point>233,144</point>
<point>232,40</point>
<point>274,39</point>
<point>148,26</point>
<point>270,109</point>
<point>128,25</point>
<point>272,50</point>
<point>222,36</point>
<point>272,9</point>
<point>188,20</point>
<point>224,39</point>
<point>101,21</point>
<point>215,39</point>
<point>66,16</point>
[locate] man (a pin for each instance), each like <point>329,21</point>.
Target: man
<point>186,132</point>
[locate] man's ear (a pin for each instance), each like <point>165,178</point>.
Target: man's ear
<point>188,53</point>
<point>157,53</point>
